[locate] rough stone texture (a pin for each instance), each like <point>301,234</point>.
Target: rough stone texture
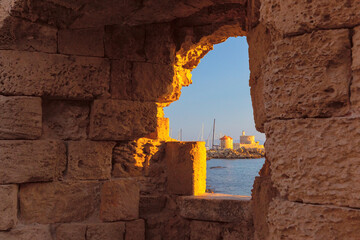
<point>153,82</point>
<point>355,92</point>
<point>58,201</point>
<point>124,42</point>
<point>309,164</point>
<point>295,17</point>
<point>8,206</point>
<point>27,36</point>
<point>120,200</point>
<point>205,230</point>
<point>122,120</point>
<point>86,42</point>
<point>216,207</point>
<point>356,49</point>
<point>89,160</point>
<point>38,232</point>
<point>308,76</point>
<point>135,230</point>
<point>70,232</point>
<point>186,167</point>
<point>159,44</point>
<point>259,46</point>
<point>20,117</point>
<point>67,120</point>
<point>136,158</point>
<point>289,220</point>
<point>106,231</point>
<point>40,74</point>
<point>121,80</point>
<point>31,161</point>
<point>151,205</point>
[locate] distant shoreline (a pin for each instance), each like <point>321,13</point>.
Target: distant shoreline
<point>241,153</point>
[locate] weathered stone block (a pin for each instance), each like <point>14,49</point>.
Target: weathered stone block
<point>38,232</point>
<point>58,201</point>
<point>186,167</point>
<point>19,34</point>
<point>308,76</point>
<point>20,117</point>
<point>153,82</point>
<point>205,230</point>
<point>121,80</point>
<point>151,205</point>
<point>135,230</point>
<point>125,42</point>
<point>86,42</point>
<point>106,231</point>
<point>122,120</point>
<point>67,120</point>
<point>216,207</point>
<point>289,220</point>
<point>90,160</point>
<point>71,231</point>
<point>120,200</point>
<point>40,74</point>
<point>159,44</point>
<point>356,49</point>
<point>292,18</point>
<point>8,206</point>
<point>31,161</point>
<point>355,92</point>
<point>315,160</point>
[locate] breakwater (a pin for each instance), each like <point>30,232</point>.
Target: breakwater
<point>241,153</point>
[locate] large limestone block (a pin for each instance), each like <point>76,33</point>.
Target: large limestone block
<point>67,120</point>
<point>86,42</point>
<point>121,80</point>
<point>355,92</point>
<point>122,120</point>
<point>125,42</point>
<point>289,220</point>
<point>22,35</point>
<point>40,74</point>
<point>316,160</point>
<point>106,231</point>
<point>308,76</point>
<point>135,230</point>
<point>296,17</point>
<point>8,206</point>
<point>216,207</point>
<point>58,201</point>
<point>120,200</point>
<point>186,167</point>
<point>31,161</point>
<point>38,232</point>
<point>356,49</point>
<point>153,82</point>
<point>151,205</point>
<point>70,231</point>
<point>205,230</point>
<point>90,160</point>
<point>20,118</point>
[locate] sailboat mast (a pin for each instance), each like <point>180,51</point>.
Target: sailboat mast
<point>213,135</point>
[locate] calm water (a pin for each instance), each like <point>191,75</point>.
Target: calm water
<point>236,176</point>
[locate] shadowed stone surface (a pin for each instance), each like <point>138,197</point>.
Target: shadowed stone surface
<point>20,118</point>
<point>135,230</point>
<point>38,232</point>
<point>8,206</point>
<point>71,232</point>
<point>308,76</point>
<point>90,160</point>
<point>40,74</point>
<point>58,201</point>
<point>105,231</point>
<point>216,207</point>
<point>31,161</point>
<point>289,220</point>
<point>120,200</point>
<point>309,165</point>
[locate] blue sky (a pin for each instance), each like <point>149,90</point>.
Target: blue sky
<point>220,90</point>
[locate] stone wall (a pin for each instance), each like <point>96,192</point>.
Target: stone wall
<point>83,138</point>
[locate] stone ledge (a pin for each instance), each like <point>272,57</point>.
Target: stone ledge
<point>216,207</point>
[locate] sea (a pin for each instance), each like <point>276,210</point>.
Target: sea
<point>232,176</point>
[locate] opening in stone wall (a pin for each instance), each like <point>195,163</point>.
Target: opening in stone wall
<point>220,91</point>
